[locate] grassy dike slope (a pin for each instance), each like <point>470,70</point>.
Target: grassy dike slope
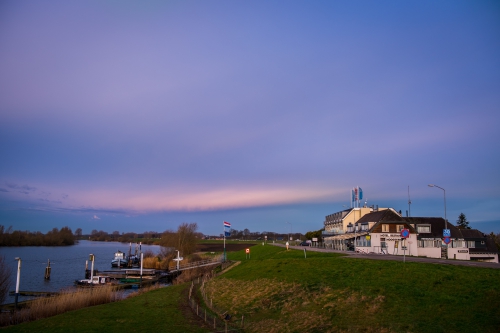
<point>160,310</point>
<point>281,291</point>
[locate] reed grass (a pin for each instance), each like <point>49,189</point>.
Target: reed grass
<point>67,300</point>
<point>156,263</point>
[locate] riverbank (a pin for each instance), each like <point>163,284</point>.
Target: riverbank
<point>160,310</point>
<point>276,290</point>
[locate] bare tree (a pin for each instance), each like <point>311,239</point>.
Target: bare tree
<point>184,239</point>
<point>5,273</point>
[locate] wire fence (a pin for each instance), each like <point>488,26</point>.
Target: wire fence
<point>218,319</point>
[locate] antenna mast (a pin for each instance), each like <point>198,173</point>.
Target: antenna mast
<point>409,201</point>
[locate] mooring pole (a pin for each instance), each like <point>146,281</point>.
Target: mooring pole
<point>91,258</point>
<point>142,257</point>
<point>47,270</point>
<point>18,279</point>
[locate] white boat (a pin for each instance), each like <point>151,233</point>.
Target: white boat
<point>97,280</point>
<point>120,260</point>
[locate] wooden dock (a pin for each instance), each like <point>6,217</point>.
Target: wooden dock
<point>35,293</point>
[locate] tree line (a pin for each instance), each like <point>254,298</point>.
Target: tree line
<point>147,237</point>
<point>55,237</point>
<point>246,234</point>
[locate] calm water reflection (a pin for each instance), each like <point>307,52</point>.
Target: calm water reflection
<point>67,262</point>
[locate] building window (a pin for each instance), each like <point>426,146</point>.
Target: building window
<point>429,243</point>
<point>471,244</point>
<point>383,244</point>
<point>459,243</point>
<point>400,227</point>
<point>385,228</point>
<point>424,229</point>
<point>364,227</point>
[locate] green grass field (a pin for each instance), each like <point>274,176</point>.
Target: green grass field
<point>281,291</point>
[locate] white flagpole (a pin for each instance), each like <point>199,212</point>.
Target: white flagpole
<point>224,231</point>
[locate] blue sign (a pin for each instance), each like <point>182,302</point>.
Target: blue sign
<point>446,233</point>
<point>447,240</point>
<point>405,233</point>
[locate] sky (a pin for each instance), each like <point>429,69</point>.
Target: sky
<point>140,116</point>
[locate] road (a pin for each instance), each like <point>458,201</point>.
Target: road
<point>354,255</point>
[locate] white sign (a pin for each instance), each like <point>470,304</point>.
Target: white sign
<point>314,239</point>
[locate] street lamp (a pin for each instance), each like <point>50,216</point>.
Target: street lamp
<point>444,191</point>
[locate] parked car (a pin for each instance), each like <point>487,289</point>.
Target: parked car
<point>305,244</point>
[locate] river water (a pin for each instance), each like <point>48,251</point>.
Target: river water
<point>67,263</point>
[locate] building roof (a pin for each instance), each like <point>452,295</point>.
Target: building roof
<point>471,233</point>
<point>437,225</point>
<point>381,215</point>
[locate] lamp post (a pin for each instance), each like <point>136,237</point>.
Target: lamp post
<point>444,191</point>
<point>18,279</point>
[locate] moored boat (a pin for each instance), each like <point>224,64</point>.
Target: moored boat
<point>98,280</point>
<point>120,260</point>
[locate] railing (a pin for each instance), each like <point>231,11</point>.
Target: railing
<point>194,264</point>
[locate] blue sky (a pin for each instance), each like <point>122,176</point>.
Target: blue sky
<point>135,116</point>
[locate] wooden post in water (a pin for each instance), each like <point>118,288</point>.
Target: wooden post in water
<point>47,270</point>
<point>142,257</point>
<point>18,279</point>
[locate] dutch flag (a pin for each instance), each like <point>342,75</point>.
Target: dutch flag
<point>227,224</point>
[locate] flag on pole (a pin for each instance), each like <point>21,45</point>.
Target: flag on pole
<point>360,191</point>
<point>227,227</point>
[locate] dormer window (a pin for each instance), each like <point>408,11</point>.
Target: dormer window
<point>349,227</point>
<point>385,228</point>
<point>424,228</point>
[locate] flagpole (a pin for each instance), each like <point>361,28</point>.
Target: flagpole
<point>224,230</point>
